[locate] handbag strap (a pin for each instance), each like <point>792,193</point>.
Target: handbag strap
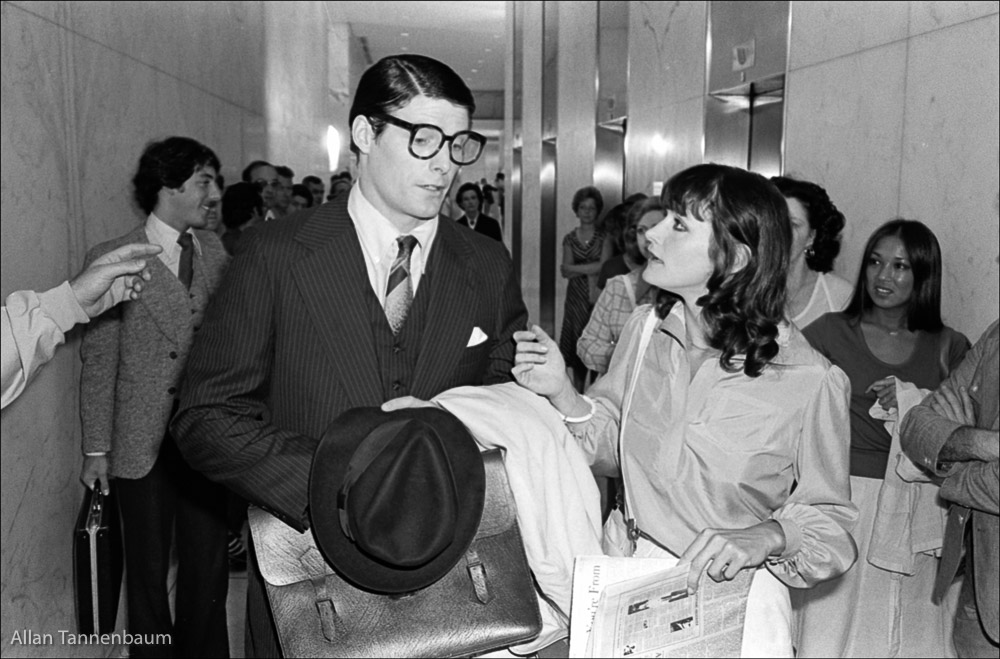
<point>652,320</point>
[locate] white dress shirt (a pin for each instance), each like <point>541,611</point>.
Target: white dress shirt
<point>160,233</point>
<point>378,243</point>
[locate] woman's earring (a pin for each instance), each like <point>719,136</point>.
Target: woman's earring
<point>810,252</point>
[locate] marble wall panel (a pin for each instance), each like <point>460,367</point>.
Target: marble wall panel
<point>825,30</point>
<point>35,177</point>
<point>663,142</point>
<point>52,10</point>
<point>666,88</point>
<point>666,53</point>
<point>217,46</point>
<point>298,106</point>
<point>121,105</point>
<point>934,15</point>
<point>950,168</point>
<point>843,130</point>
<point>40,451</point>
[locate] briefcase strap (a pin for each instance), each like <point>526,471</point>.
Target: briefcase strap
<point>327,610</point>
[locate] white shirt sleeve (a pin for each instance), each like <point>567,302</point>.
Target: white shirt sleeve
<point>34,324</point>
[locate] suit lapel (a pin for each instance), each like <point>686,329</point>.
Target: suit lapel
<point>331,282</point>
<point>449,325</point>
<point>164,296</point>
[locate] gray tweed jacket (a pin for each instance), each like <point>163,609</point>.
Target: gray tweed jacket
<point>134,356</point>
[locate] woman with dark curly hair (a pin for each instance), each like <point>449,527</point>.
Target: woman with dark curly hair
<point>723,420</point>
<point>891,333</point>
<point>816,225</point>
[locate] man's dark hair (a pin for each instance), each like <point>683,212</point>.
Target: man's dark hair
<point>167,164</point>
<point>300,190</point>
<point>394,81</point>
<point>312,179</point>
<point>238,204</point>
<point>284,171</point>
<point>248,170</point>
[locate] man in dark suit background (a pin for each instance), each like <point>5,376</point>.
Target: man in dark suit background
<point>470,200</point>
<point>369,298</point>
<point>133,356</point>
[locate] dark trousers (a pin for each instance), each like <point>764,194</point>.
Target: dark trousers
<point>969,635</point>
<point>174,496</point>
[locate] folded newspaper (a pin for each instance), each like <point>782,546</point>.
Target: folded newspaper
<point>640,607</point>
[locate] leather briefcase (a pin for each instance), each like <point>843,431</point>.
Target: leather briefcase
<point>487,601</point>
<point>97,563</point>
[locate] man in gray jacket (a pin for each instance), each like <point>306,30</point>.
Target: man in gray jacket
<point>954,435</point>
<point>133,358</point>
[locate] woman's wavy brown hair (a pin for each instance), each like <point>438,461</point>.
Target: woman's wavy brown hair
<point>742,308</point>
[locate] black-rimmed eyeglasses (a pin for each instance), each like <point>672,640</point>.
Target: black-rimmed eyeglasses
<point>427,139</point>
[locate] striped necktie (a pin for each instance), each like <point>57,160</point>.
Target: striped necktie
<point>399,288</point>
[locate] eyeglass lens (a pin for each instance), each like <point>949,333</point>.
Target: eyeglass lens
<point>426,140</point>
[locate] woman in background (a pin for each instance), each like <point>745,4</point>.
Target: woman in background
<point>816,225</point>
<point>891,330</point>
<point>723,419</point>
<point>623,293</point>
<point>585,249</point>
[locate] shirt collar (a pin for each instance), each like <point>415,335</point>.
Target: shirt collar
<point>162,234</point>
<point>792,345</point>
<point>377,234</point>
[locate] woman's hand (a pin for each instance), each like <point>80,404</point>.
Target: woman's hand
<point>723,553</point>
<point>538,364</point>
<point>885,390</point>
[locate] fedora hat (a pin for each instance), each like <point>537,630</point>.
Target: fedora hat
<point>395,498</point>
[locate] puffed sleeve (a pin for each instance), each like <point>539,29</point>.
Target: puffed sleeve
<point>598,437</point>
<point>818,516</point>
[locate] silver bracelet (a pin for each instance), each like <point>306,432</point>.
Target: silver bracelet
<point>585,417</point>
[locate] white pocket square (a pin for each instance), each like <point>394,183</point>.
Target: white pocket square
<point>477,337</point>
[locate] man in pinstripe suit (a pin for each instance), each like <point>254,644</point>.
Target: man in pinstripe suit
<point>308,324</point>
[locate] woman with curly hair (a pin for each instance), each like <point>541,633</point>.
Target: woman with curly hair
<point>721,419</point>
<point>816,225</point>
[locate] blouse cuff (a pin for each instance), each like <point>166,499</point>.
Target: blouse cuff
<point>793,539</point>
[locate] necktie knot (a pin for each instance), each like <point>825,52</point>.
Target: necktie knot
<point>406,246</point>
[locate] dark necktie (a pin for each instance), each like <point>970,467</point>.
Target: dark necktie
<point>399,288</point>
<point>185,269</point>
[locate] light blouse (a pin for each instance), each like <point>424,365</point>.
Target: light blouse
<point>724,450</point>
<point>830,293</point>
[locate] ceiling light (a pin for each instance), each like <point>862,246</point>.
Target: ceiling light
<point>404,34</point>
<point>474,70</point>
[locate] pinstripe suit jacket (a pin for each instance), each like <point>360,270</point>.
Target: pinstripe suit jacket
<point>287,347</point>
<point>134,354</point>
